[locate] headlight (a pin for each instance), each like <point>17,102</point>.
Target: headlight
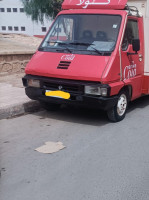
<point>93,90</point>
<point>33,83</point>
<point>96,90</point>
<point>104,92</point>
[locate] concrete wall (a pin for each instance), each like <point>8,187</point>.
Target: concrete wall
<point>14,63</point>
<point>18,19</point>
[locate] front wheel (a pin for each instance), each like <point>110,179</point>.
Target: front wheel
<point>118,112</point>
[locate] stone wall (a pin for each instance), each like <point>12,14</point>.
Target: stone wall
<point>14,63</point>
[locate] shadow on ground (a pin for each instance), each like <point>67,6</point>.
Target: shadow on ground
<point>142,102</point>
<point>93,117</point>
<point>77,115</point>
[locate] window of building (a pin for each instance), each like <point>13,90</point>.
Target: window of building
<point>3,28</point>
<point>9,28</point>
<point>15,9</point>
<point>16,28</point>
<point>22,10</point>
<point>8,9</point>
<point>2,9</point>
<point>22,28</point>
<point>44,29</point>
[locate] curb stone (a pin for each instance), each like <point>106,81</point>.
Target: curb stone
<point>19,109</point>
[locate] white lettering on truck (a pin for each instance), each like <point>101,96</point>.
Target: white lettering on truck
<point>130,71</point>
<point>68,57</point>
<point>92,2</point>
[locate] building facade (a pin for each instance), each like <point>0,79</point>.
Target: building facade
<point>13,19</point>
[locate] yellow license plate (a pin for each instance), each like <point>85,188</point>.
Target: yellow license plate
<point>57,94</point>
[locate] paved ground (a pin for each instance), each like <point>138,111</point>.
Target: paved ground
<point>13,100</point>
<point>102,161</point>
<point>12,90</point>
<point>18,43</point>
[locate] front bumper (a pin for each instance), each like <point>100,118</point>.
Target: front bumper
<point>77,97</point>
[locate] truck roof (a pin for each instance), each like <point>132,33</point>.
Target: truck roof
<point>94,4</point>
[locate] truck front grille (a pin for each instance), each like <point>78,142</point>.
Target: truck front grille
<point>75,87</point>
<point>64,87</point>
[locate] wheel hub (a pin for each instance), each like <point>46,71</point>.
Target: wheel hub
<point>122,105</point>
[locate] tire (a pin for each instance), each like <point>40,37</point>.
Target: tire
<point>50,106</point>
<point>118,112</point>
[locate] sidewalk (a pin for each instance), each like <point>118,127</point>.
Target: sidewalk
<point>13,100</point>
<point>15,43</point>
<point>15,51</point>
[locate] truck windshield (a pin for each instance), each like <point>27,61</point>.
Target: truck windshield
<point>83,33</point>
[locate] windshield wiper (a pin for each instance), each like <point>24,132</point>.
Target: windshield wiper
<point>87,44</point>
<point>62,43</point>
<point>99,52</point>
<point>58,42</point>
<point>80,43</point>
<point>64,48</point>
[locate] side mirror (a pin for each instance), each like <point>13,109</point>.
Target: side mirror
<point>136,45</point>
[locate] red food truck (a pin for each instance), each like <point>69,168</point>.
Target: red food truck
<point>94,54</point>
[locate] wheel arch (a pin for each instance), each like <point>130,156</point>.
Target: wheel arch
<point>129,89</point>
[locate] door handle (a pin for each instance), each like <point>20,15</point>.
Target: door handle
<point>140,57</point>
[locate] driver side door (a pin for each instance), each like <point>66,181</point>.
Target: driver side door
<point>132,65</point>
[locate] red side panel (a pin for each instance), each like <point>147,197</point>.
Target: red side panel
<point>94,4</point>
<point>145,89</point>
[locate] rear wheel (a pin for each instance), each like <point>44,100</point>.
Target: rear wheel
<point>118,112</point>
<point>50,106</point>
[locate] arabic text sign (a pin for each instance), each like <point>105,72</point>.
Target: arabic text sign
<point>94,4</point>
<point>86,3</point>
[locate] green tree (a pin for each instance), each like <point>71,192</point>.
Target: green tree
<point>37,9</point>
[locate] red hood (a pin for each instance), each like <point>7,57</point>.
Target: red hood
<point>82,67</point>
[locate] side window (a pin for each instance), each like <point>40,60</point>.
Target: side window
<point>131,33</point>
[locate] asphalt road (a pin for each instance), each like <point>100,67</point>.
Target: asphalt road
<point>102,161</point>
